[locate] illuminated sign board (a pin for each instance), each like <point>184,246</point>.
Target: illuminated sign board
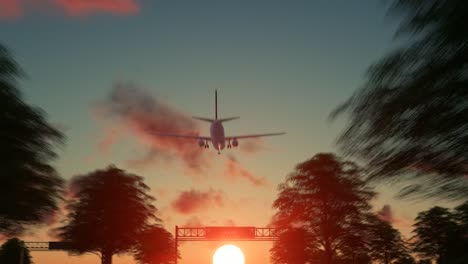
<point>231,232</point>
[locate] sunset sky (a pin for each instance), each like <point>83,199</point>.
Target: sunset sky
<point>110,73</point>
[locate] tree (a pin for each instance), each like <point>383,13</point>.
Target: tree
<point>406,260</point>
<point>108,214</point>
<point>325,196</point>
<point>386,244</point>
<point>354,247</point>
<point>293,247</point>
<point>13,251</point>
<point>30,187</point>
<point>461,217</point>
<point>434,230</point>
<point>410,117</point>
<point>155,246</point>
<point>458,242</point>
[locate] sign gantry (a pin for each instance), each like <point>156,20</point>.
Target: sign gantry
<point>225,233</point>
<point>209,233</point>
<point>45,246</point>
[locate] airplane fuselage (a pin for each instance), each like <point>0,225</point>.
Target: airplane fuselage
<point>217,135</point>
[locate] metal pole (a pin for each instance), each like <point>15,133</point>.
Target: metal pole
<point>176,242</point>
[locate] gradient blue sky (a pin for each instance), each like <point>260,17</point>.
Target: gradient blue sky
<point>280,65</point>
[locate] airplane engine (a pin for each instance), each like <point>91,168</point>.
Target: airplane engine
<point>201,143</point>
<point>235,143</point>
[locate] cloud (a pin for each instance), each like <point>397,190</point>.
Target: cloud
<point>162,192</point>
<point>87,7</point>
<point>386,214</point>
<point>194,201</point>
<point>150,157</point>
<point>53,233</point>
<point>73,186</point>
<point>144,116</point>
<point>193,221</point>
<point>233,170</point>
<point>111,137</point>
<point>230,222</point>
<point>10,9</point>
<point>51,218</point>
<point>252,145</point>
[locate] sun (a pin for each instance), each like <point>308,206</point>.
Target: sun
<point>228,254</point>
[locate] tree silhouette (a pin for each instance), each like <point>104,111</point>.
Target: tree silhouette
<point>30,187</point>
<point>354,247</point>
<point>325,196</point>
<point>461,217</point>
<point>405,260</point>
<point>155,246</point>
<point>108,214</point>
<point>458,240</point>
<point>424,261</point>
<point>13,251</point>
<point>386,244</point>
<point>434,230</point>
<point>410,117</point>
<point>293,247</point>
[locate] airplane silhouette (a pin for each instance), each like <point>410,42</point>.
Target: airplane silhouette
<point>217,137</point>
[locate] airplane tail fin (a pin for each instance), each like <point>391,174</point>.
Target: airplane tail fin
<point>228,119</point>
<point>216,111</point>
<point>209,120</point>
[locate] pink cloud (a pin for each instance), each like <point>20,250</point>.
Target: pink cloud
<point>51,218</point>
<point>193,221</point>
<point>233,170</point>
<point>87,7</point>
<point>53,233</point>
<point>162,192</point>
<point>230,222</point>
<point>386,214</point>
<point>145,116</point>
<point>111,137</point>
<point>10,9</point>
<point>404,224</point>
<point>73,186</point>
<point>253,145</point>
<point>194,201</point>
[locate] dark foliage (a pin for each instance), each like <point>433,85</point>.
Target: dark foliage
<point>410,119</point>
<point>293,247</point>
<point>424,261</point>
<point>155,246</point>
<point>109,213</point>
<point>11,251</point>
<point>441,235</point>
<point>30,187</point>
<point>386,244</point>
<point>405,260</point>
<point>326,197</point>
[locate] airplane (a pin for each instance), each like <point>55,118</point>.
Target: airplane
<point>217,137</point>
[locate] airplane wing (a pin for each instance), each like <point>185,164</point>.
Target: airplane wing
<point>183,136</point>
<point>254,136</point>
